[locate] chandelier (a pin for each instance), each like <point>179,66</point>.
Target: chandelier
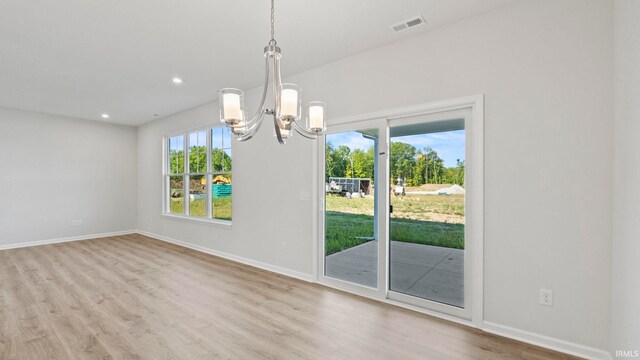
<point>286,111</point>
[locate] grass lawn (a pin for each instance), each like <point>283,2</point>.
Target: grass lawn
<point>421,219</point>
<point>343,230</point>
<point>221,207</point>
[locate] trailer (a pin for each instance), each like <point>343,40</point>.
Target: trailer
<point>349,186</point>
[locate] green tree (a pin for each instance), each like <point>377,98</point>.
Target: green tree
<point>454,175</point>
<point>361,164</point>
<point>330,165</point>
<point>434,166</point>
<point>176,161</point>
<point>220,160</point>
<point>459,179</point>
<point>337,160</point>
<point>402,160</point>
<point>198,159</point>
<point>370,163</point>
<point>420,170</point>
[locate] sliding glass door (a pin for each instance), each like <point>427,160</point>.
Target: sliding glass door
<point>426,220</point>
<point>395,195</point>
<point>351,203</point>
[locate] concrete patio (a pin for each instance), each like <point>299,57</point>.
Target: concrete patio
<point>425,271</point>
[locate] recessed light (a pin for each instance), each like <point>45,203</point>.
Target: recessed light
<point>176,80</point>
<point>105,116</point>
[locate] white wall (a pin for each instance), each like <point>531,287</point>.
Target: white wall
<point>57,169</point>
<point>270,224</point>
<point>625,306</point>
<point>545,67</point>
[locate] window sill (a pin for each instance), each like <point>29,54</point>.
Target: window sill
<point>223,224</point>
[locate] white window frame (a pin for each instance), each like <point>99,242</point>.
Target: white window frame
<point>208,174</point>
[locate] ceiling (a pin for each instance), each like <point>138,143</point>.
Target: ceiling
<point>82,58</point>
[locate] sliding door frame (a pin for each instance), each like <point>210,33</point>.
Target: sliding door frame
<point>474,214</point>
<point>381,210</point>
<point>470,171</point>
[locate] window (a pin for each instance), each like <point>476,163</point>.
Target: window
<point>176,174</point>
<point>198,177</point>
<point>221,172</point>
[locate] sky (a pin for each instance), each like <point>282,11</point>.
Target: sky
<point>449,145</point>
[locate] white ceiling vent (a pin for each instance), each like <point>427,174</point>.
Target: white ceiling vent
<point>408,24</point>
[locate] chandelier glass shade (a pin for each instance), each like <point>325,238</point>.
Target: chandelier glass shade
<point>286,111</point>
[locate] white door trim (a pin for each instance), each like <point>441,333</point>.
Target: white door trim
<point>475,205</point>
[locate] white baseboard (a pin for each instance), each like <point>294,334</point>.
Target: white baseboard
<point>501,330</point>
<point>66,239</point>
<point>493,328</point>
<point>240,259</point>
<point>547,342</point>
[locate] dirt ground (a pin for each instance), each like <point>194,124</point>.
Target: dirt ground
<point>427,187</point>
<point>438,208</point>
<point>433,216</point>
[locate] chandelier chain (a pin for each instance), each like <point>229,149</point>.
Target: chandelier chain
<point>273,32</point>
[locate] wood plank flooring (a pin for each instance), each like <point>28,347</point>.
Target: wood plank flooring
<point>132,297</point>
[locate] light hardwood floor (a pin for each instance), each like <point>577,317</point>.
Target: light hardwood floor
<point>132,297</point>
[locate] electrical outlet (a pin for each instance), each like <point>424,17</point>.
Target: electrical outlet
<point>77,222</point>
<point>304,196</point>
<point>546,297</point>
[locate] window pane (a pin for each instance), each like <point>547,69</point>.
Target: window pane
<point>351,205</point>
<point>221,196</point>
<point>216,149</point>
<point>197,199</point>
<point>175,160</point>
<point>427,170</point>
<point>217,159</point>
<point>221,160</point>
<point>221,150</point>
<point>176,195</point>
<point>226,161</point>
<point>216,137</point>
<point>198,152</point>
<point>226,139</point>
